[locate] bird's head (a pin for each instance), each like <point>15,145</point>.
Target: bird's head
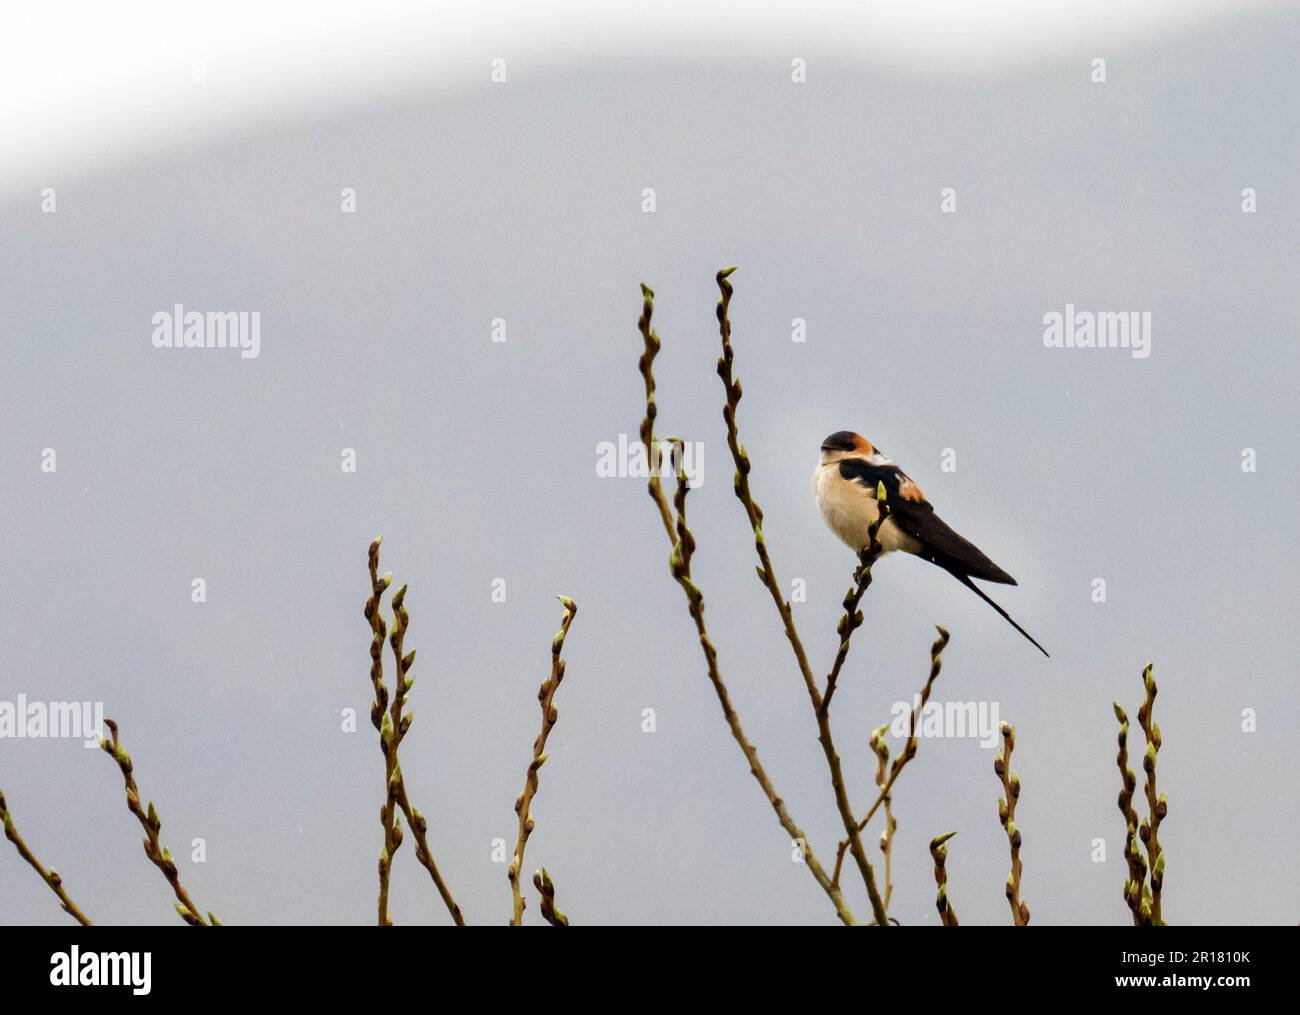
<point>845,444</point>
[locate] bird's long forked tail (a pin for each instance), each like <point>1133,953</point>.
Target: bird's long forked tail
<point>965,580</point>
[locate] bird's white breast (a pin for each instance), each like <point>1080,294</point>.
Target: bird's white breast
<point>850,510</point>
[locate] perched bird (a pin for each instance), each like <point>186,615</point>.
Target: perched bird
<point>846,482</point>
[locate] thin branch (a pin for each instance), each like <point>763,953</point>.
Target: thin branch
<point>1135,883</point>
<point>401,725</point>
<point>393,725</point>
<point>159,855</point>
<point>420,829</point>
<point>766,572</point>
<point>683,546</point>
<point>383,723</point>
<point>1157,804</point>
<point>852,618</point>
<point>646,366</point>
<point>939,852</point>
<point>767,575</point>
<point>1007,815</point>
<point>909,750</point>
<point>880,747</point>
<point>523,804</point>
<point>553,914</point>
<point>48,874</point>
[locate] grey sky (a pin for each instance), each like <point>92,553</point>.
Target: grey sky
<point>477,459</point>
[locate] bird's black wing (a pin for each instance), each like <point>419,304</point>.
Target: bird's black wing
<point>897,483</point>
<point>913,514</point>
<point>945,547</point>
<point>940,545</point>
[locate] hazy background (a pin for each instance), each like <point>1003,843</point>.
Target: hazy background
<point>522,201</point>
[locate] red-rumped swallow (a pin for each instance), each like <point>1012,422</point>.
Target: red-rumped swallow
<point>846,482</point>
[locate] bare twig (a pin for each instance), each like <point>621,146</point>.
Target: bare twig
<point>646,365</point>
<point>1142,890</point>
<point>420,829</point>
<point>939,851</point>
<point>393,725</point>
<point>384,724</point>
<point>159,855</point>
<point>767,575</point>
<point>1157,803</point>
<point>880,747</point>
<point>909,749</point>
<point>1007,815</point>
<point>48,874</point>
<point>683,546</point>
<point>1135,884</point>
<point>523,804</point>
<point>852,618</point>
<point>401,725</point>
<point>552,913</point>
<point>766,572</point>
